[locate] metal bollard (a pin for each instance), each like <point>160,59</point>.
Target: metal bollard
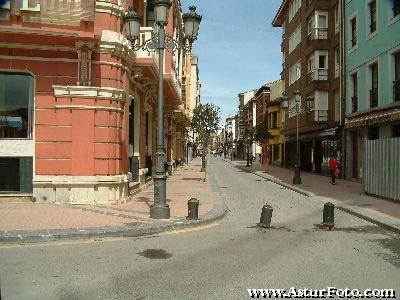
<point>266,216</point>
<point>193,209</point>
<point>328,218</point>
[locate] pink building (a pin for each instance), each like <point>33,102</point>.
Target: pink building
<point>77,105</point>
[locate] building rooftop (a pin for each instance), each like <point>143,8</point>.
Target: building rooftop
<point>279,17</point>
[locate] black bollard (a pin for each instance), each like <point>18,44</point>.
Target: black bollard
<point>328,218</point>
<point>193,209</point>
<point>266,216</point>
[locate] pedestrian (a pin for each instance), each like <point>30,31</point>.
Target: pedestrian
<point>251,159</point>
<point>333,168</point>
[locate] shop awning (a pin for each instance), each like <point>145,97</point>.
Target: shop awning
<point>312,135</point>
<point>373,119</point>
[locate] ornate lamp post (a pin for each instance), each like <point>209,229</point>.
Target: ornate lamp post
<point>298,111</point>
<point>159,42</point>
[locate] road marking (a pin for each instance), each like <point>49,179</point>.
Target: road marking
<point>186,230</point>
<point>105,239</point>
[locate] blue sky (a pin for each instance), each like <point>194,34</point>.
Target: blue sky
<point>238,48</point>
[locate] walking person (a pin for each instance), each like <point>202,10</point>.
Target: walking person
<point>333,168</point>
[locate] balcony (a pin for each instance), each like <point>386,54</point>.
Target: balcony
<point>317,74</point>
<point>354,104</point>
<point>373,97</point>
<point>319,116</point>
<point>317,34</point>
<point>337,70</point>
<point>177,82</point>
<point>145,34</point>
<point>396,90</point>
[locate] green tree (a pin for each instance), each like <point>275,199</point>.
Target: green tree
<point>261,134</point>
<point>204,123</point>
<point>258,134</point>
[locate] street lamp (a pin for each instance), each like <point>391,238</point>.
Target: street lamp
<point>297,110</point>
<point>297,178</point>
<point>161,41</point>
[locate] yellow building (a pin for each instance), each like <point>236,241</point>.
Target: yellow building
<point>275,124</point>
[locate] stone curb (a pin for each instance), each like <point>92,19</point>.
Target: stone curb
<point>40,236</point>
<point>361,213</point>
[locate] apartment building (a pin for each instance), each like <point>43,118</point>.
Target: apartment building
<point>311,31</point>
<point>250,121</point>
<point>372,46</point>
<point>192,91</point>
<point>78,105</point>
<point>243,147</point>
<point>261,98</point>
<point>275,122</point>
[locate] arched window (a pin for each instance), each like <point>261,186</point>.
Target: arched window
<point>16,105</point>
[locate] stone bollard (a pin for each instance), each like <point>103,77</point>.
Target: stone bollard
<point>328,218</point>
<point>193,209</point>
<point>266,216</point>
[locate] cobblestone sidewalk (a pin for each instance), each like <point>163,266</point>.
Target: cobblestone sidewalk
<point>185,183</point>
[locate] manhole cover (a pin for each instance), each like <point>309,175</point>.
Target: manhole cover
<point>155,254</point>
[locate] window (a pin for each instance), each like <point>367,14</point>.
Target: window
<point>294,6</point>
<point>294,73</point>
<point>317,26</point>
<point>16,174</point>
<point>16,102</point>
<point>295,39</point>
<point>275,149</point>
<point>273,120</point>
<point>372,16</point>
<point>354,98</point>
<point>373,133</point>
<point>373,100</point>
<point>396,82</point>
<point>319,72</point>
<point>396,8</point>
<point>322,61</point>
<point>353,33</point>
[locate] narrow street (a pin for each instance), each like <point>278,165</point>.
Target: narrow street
<point>217,261</point>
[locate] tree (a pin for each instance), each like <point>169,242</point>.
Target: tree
<point>204,123</point>
<point>258,134</point>
<point>261,134</point>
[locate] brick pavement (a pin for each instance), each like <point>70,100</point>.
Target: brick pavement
<point>348,192</point>
<point>185,183</point>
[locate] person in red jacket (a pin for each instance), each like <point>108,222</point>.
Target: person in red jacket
<point>333,168</point>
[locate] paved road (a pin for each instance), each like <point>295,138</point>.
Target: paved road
<point>216,262</point>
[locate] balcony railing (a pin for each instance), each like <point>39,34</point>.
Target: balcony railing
<point>337,70</point>
<point>69,13</point>
<point>373,97</point>
<point>354,104</point>
<point>318,74</point>
<point>317,34</point>
<point>396,90</point>
<point>145,35</point>
<point>319,115</point>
